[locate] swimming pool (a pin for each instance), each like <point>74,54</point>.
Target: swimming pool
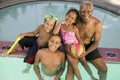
<point>11,69</point>
<point>27,16</point>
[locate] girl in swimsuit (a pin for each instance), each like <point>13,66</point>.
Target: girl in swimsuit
<point>70,35</point>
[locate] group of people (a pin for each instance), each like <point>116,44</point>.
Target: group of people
<point>50,45</point>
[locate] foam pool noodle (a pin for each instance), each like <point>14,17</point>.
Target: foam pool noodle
<point>10,50</point>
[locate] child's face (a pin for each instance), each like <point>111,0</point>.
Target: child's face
<point>71,18</point>
<point>54,43</point>
<point>49,24</point>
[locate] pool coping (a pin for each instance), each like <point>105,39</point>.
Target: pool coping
<point>98,3</point>
<point>107,6</point>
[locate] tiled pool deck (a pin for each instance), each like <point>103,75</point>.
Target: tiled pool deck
<point>111,5</point>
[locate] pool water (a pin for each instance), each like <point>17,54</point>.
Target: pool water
<point>27,16</point>
<point>11,69</point>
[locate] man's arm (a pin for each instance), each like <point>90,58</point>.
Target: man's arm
<point>36,65</point>
<point>62,67</point>
<point>97,37</point>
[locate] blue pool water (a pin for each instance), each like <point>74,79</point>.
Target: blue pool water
<point>11,69</point>
<point>27,16</point>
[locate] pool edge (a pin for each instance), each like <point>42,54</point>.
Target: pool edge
<point>100,4</point>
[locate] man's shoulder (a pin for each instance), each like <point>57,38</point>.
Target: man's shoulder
<point>97,21</point>
<point>97,24</point>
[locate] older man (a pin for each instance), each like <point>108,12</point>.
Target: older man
<point>90,31</point>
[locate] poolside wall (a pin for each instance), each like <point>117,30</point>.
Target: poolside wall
<point>105,4</point>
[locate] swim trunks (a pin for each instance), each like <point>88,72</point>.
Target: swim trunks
<point>31,53</point>
<point>27,41</point>
<point>46,77</point>
<point>30,42</point>
<point>94,54</point>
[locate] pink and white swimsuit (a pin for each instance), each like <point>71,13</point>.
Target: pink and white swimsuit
<point>68,38</point>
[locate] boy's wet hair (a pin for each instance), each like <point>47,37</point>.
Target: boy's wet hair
<point>76,12</point>
<point>56,35</point>
<point>51,17</point>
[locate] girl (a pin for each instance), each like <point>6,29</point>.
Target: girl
<point>70,35</point>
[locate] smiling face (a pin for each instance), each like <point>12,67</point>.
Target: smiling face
<point>86,10</point>
<point>54,43</point>
<point>49,24</point>
<point>71,18</point>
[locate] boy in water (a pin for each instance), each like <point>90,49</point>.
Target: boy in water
<point>35,40</point>
<point>52,60</point>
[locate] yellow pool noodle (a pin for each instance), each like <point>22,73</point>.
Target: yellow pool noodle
<point>9,51</point>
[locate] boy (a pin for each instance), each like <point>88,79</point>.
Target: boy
<point>52,60</point>
<point>35,40</point>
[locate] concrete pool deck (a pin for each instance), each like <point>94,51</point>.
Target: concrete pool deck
<point>110,5</point>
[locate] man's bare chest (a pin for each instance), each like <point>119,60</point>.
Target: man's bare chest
<point>87,32</point>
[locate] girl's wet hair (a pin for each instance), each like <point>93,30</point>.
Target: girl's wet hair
<point>76,12</point>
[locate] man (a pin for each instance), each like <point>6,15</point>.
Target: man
<point>90,30</point>
<point>52,60</point>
